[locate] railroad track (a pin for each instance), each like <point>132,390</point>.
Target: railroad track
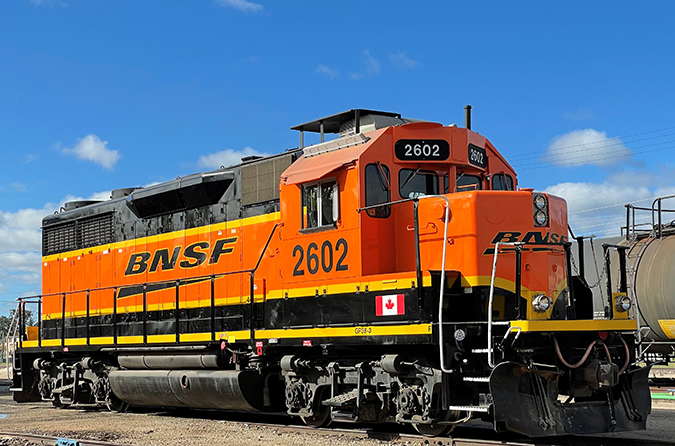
<point>463,436</point>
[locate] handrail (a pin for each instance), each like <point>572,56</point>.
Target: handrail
<point>39,298</point>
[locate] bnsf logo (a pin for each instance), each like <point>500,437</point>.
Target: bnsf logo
<point>534,237</point>
<point>195,255</point>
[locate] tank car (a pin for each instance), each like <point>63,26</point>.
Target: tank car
<point>649,254</point>
<point>393,274</point>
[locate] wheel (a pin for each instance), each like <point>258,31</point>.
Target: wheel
<point>320,419</point>
<point>115,404</point>
<point>56,402</point>
<point>434,430</point>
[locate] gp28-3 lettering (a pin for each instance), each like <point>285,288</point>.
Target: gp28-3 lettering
<point>321,258</point>
<point>422,149</point>
<point>363,330</point>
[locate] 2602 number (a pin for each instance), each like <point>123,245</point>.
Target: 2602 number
<point>320,258</point>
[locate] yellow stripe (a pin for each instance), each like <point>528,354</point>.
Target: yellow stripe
<point>234,224</point>
<point>193,337</point>
<point>232,336</point>
<point>579,325</point>
<point>333,332</point>
<point>77,341</point>
<point>51,342</point>
<point>102,340</point>
<point>156,339</point>
<point>26,344</point>
<point>130,339</point>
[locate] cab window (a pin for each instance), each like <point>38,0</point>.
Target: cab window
<point>501,181</point>
<point>377,190</point>
<point>319,204</point>
<point>416,183</point>
<point>468,182</point>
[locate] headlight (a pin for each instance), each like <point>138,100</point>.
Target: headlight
<point>541,303</point>
<point>540,201</point>
<point>623,303</point>
<point>540,218</point>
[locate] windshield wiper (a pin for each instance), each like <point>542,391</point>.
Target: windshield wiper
<point>410,177</point>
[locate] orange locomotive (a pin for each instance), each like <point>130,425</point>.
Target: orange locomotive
<point>347,280</point>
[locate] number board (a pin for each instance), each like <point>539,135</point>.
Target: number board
<point>477,156</point>
<point>422,150</point>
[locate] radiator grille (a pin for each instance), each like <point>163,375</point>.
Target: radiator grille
<point>79,234</point>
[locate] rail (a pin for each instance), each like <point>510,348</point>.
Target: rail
<point>654,228</point>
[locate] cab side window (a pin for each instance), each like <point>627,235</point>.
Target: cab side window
<point>319,204</point>
<point>501,181</point>
<point>416,183</point>
<point>468,182</point>
<point>377,190</point>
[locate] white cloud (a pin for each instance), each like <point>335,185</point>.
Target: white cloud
<point>599,207</point>
<point>401,61</point>
<point>30,158</point>
<point>330,72</point>
<point>372,64</point>
<point>19,187</point>
<point>21,247</point>
<point>227,157</point>
<point>583,114</point>
<point>241,5</point>
<point>92,148</point>
<point>587,146</point>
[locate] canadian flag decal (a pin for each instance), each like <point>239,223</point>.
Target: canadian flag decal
<point>390,305</point>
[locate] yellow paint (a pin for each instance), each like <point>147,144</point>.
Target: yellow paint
<point>358,331</point>
<point>194,337</point>
<point>232,336</point>
<point>130,339</point>
<point>76,341</point>
<point>27,344</point>
<point>160,339</point>
<point>579,325</point>
<point>102,340</point>
<point>51,342</point>
<point>668,327</point>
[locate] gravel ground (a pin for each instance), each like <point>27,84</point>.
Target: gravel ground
<point>200,428</point>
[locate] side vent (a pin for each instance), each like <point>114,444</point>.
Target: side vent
<point>79,234</point>
<point>180,195</point>
<point>260,180</point>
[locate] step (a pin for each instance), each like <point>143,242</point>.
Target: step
<point>16,389</point>
<point>345,399</point>
<point>476,379</point>
<point>470,408</point>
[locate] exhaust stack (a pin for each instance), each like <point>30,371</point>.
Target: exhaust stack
<point>467,117</point>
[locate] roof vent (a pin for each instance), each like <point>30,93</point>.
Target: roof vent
<point>69,206</point>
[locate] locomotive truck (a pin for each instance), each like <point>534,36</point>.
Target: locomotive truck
<point>393,274</point>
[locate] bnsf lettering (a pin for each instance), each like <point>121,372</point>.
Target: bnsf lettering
<point>195,255</point>
<point>532,237</point>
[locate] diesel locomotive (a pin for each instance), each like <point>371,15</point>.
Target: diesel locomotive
<point>393,274</point>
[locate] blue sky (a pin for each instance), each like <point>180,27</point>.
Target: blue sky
<point>100,95</point>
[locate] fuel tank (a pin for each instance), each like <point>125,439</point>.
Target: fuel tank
<point>653,262</point>
<point>200,389</point>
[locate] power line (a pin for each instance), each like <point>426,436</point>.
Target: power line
<point>517,155</point>
<point>604,145</point>
<point>592,157</point>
